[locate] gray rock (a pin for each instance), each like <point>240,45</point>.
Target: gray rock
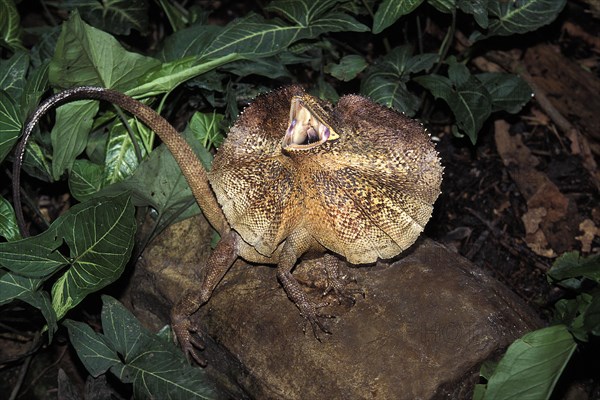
<point>424,326</point>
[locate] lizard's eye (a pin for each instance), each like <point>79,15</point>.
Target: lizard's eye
<point>306,130</point>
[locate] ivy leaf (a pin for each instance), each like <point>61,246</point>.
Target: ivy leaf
<point>390,11</point>
<point>520,16</point>
<point>156,367</point>
<point>385,81</point>
<point>116,16</point>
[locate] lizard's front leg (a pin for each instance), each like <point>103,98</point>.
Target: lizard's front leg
<point>294,246</point>
<point>188,335</point>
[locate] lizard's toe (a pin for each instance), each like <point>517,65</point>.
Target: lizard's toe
<point>190,339</point>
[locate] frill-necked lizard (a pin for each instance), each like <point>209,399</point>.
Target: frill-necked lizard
<point>296,175</point>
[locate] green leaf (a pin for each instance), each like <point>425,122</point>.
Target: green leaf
<point>324,90</point>
<point>10,124</point>
<point>487,369</point>
<point>8,223</point>
<point>390,11</point>
<point>69,134</point>
<point>36,162</point>
<point>445,6</point>
<point>156,367</point>
<point>13,287</point>
<point>311,14</point>
<point>253,36</point>
<point>115,16</point>
<point>515,17</point>
<point>532,365</point>
<point>385,81</point>
<point>477,8</point>
<point>92,348</point>
<point>189,42</point>
<point>177,17</point>
<point>571,312</point>
<point>572,265</point>
<point>271,67</point>
<point>206,128</point>
<point>43,51</point>
<point>12,74</point>
<point>508,92</point>
<point>87,56</point>
<point>10,25</point>
<point>591,319</point>
<point>36,85</point>
<point>165,78</point>
<point>465,95</point>
<point>158,183</point>
<point>99,235</point>
<point>34,257</point>
<point>121,160</point>
<point>85,179</point>
<point>348,68</point>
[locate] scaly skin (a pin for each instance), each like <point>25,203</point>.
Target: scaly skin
<point>296,175</point>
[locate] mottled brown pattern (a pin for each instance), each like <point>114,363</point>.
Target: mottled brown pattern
<point>366,195</point>
<point>362,186</point>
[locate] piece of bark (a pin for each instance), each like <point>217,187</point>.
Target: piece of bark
<point>551,221</point>
<point>423,328</point>
<point>572,90</point>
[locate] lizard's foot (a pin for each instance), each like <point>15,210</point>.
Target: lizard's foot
<point>326,275</point>
<point>189,338</point>
<point>316,319</point>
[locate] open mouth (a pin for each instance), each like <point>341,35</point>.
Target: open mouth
<point>306,130</point>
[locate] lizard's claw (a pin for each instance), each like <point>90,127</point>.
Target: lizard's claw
<point>311,315</point>
<point>189,338</point>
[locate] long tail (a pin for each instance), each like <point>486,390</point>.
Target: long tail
<point>192,169</point>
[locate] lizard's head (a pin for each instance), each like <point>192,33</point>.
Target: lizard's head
<point>360,178</point>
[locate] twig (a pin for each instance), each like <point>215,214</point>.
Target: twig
<point>579,144</point>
